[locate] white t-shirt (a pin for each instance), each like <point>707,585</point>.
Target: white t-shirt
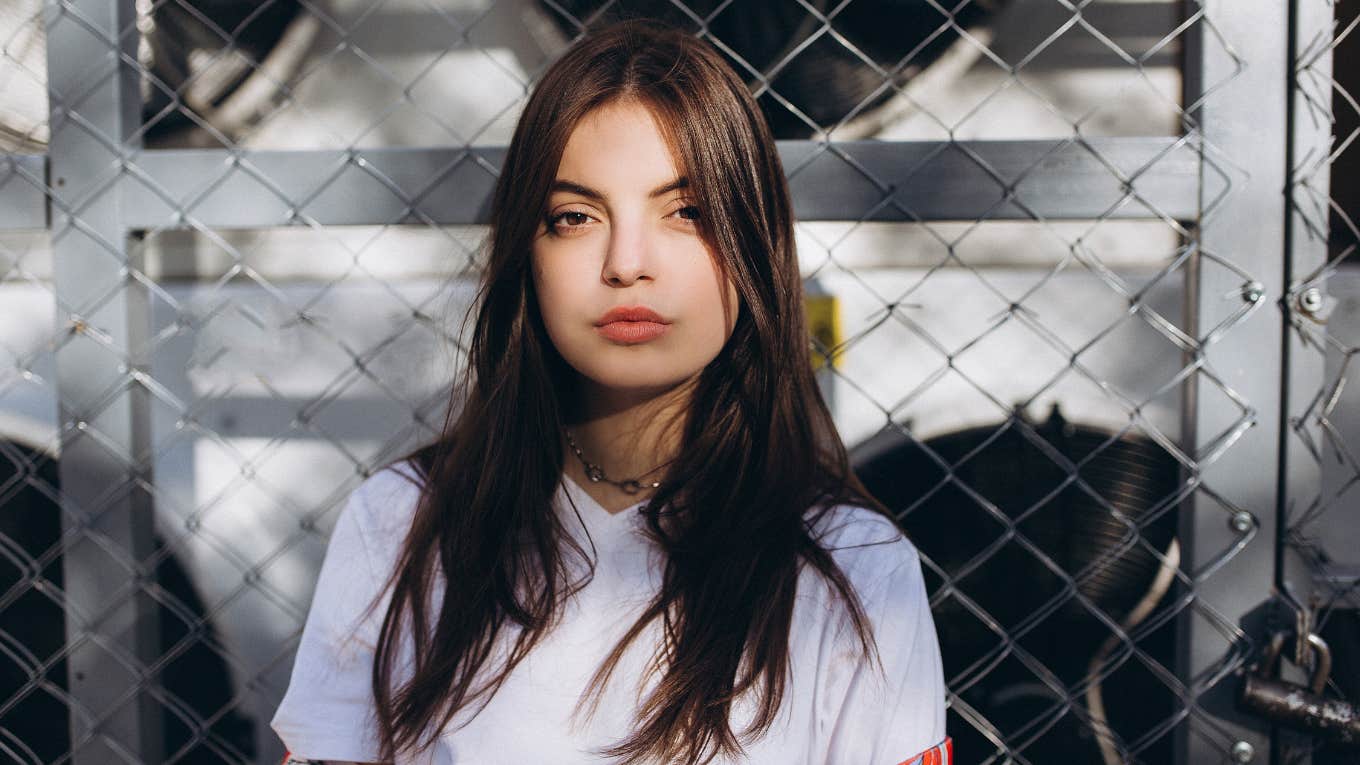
<point>836,708</point>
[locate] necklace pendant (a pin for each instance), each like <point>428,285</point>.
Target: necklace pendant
<point>595,474</point>
<point>630,486</point>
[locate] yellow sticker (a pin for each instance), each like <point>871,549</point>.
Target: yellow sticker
<point>824,322</point>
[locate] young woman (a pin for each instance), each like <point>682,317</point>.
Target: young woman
<point>638,538</point>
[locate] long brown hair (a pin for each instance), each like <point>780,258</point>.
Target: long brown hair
<point>759,463</point>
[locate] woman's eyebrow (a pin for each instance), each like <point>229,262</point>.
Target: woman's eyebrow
<point>562,184</point>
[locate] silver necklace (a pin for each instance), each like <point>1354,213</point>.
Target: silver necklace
<point>596,473</point>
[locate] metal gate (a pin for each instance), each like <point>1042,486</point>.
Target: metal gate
<point>1084,280</point>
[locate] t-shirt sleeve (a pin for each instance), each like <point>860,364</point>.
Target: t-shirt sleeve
<point>898,715</point>
<point>327,712</point>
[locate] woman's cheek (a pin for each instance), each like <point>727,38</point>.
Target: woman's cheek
<point>561,298</point>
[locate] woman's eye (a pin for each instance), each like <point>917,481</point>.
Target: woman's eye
<point>568,219</point>
<point>689,213</point>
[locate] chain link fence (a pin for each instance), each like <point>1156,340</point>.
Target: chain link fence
<point>1043,242</point>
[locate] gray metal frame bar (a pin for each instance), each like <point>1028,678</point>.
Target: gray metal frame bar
<point>1307,378</point>
<point>1129,178</point>
<point>1232,407</point>
<point>1306,253</point>
<point>112,631</point>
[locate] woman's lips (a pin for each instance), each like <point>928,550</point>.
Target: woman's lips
<point>632,324</point>
<point>632,332</point>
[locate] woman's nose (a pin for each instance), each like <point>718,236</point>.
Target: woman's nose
<point>630,254</point>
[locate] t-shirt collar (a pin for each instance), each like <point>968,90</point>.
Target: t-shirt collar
<point>597,519</point>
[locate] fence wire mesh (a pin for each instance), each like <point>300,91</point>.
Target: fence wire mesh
<point>236,240</point>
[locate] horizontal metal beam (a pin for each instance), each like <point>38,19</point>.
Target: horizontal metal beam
<point>996,180</point>
<point>348,418</point>
<point>23,202</point>
<point>258,189</point>
<point>1131,25</point>
<point>1129,178</point>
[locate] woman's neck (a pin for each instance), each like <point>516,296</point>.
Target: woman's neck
<point>629,435</point>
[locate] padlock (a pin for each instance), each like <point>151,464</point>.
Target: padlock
<point>1295,706</point>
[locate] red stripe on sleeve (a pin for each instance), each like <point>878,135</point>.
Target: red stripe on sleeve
<point>940,754</point>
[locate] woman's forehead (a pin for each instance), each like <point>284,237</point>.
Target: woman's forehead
<point>620,148</point>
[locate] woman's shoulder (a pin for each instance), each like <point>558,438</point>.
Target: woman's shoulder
<point>392,479</point>
<point>385,501</point>
<point>865,543</point>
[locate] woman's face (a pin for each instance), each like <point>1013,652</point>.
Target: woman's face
<point>631,295</point>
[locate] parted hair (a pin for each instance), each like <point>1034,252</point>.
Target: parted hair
<point>735,515</point>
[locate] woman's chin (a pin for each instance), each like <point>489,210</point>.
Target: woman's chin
<point>637,383</point>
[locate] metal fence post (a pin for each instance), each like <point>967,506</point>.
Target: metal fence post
<point>107,513</point>
<point>1235,91</point>
<point>1320,529</point>
<point>1309,182</point>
